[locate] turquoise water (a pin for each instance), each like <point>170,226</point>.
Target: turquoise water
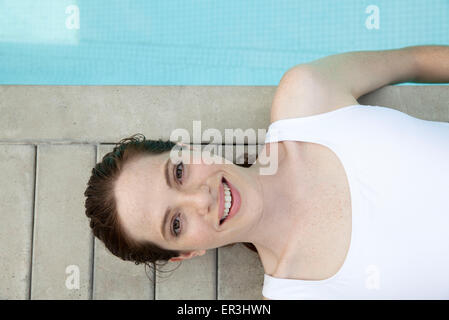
<point>181,42</point>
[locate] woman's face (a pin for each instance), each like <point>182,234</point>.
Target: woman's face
<point>190,198</point>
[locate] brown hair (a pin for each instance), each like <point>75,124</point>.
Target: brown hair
<point>101,205</point>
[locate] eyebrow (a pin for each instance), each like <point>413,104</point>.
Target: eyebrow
<point>167,211</point>
<point>167,175</point>
<point>164,223</point>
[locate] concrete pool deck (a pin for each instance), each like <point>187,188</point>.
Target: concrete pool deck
<point>52,136</point>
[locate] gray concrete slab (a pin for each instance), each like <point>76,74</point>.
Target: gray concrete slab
<point>62,246</point>
<point>423,102</point>
<point>240,274</point>
<point>98,114</point>
<point>113,277</point>
<point>193,279</point>
<point>426,103</point>
<point>77,113</point>
<point>386,96</point>
<point>16,219</point>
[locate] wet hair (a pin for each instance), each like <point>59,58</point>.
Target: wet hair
<point>101,205</point>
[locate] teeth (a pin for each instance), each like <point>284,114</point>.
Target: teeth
<point>228,200</point>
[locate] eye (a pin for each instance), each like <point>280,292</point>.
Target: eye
<point>176,226</point>
<point>179,169</point>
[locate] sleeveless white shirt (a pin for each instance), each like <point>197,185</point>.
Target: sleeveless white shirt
<point>398,172</point>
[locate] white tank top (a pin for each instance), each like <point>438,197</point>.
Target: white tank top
<point>398,172</point>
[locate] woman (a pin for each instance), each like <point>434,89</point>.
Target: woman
<point>356,209</point>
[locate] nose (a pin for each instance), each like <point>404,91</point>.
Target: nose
<point>199,199</point>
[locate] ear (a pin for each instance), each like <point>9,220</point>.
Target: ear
<point>187,255</point>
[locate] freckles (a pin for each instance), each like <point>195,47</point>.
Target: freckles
<point>196,237</point>
<point>200,237</point>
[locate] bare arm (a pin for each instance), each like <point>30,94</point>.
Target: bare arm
<point>338,80</point>
<point>432,63</point>
<point>361,72</point>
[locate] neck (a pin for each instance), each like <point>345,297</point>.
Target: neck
<point>277,224</point>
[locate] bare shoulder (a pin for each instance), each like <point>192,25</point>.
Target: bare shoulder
<point>303,91</point>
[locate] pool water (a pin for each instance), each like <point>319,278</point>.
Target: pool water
<point>182,42</point>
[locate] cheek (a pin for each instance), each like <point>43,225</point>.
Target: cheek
<point>200,234</point>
